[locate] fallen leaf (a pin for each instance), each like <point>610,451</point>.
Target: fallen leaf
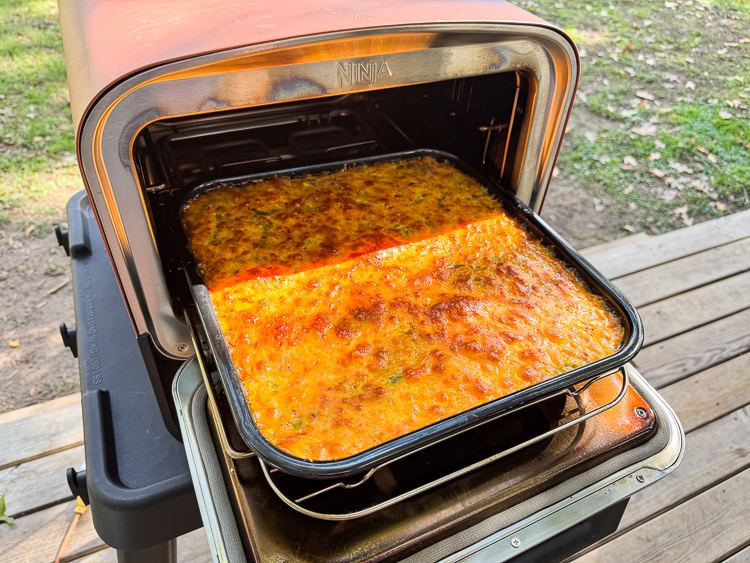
<point>682,212</point>
<point>41,304</point>
<point>14,343</point>
<point>628,190</point>
<point>658,173</point>
<point>711,158</point>
<point>660,145</point>
<point>29,229</point>
<point>555,172</point>
<point>745,40</point>
<point>604,159</point>
<point>629,160</point>
<point>681,167</point>
<point>704,150</point>
<point>668,195</point>
<point>628,228</point>
<point>725,115</point>
<point>690,85</point>
<point>645,95</point>
<point>646,130</point>
<point>654,156</point>
<point>720,206</point>
<point>32,391</point>
<point>733,103</point>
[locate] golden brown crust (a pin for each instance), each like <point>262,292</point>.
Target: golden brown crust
<point>283,226</point>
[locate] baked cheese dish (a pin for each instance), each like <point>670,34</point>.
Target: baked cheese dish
<point>283,226</point>
<point>422,325</point>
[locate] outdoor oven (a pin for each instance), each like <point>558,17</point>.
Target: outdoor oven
<point>167,96</point>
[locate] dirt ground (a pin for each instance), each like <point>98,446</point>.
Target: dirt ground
<point>35,297</point>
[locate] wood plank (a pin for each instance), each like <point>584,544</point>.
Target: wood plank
<point>40,408</point>
<point>611,245</point>
<point>106,555</point>
<point>707,527</point>
<point>39,483</point>
<point>37,537</point>
<point>42,434</point>
<point>191,548</point>
<point>742,556</point>
<point>710,394</point>
<point>626,260</point>
<point>673,278</point>
<point>695,351</point>
<point>711,453</point>
<point>695,308</point>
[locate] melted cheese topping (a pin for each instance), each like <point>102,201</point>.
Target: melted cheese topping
<point>344,357</point>
<point>284,226</point>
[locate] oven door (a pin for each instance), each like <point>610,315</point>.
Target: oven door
<point>558,519</point>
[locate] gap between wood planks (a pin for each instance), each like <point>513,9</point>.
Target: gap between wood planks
<point>686,274</point>
<point>682,356</point>
<point>742,555</point>
<point>668,247</point>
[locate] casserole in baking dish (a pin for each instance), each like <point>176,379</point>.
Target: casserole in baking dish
<point>366,304</point>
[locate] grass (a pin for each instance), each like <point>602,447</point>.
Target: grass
<point>37,146</point>
<point>661,123</point>
<point>660,128</point>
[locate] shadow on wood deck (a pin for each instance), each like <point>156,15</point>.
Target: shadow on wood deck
<point>692,288</point>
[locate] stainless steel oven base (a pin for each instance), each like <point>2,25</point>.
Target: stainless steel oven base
<point>498,538</point>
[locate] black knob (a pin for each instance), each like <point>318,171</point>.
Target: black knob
<point>77,484</point>
<point>62,238</point>
<point>69,338</point>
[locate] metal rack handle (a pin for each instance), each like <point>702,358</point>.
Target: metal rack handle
<point>571,392</point>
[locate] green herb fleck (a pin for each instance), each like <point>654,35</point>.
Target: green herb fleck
<point>297,424</point>
<point>261,213</point>
<point>395,379</point>
<point>455,266</point>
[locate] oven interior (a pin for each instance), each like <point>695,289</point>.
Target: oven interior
<point>478,119</point>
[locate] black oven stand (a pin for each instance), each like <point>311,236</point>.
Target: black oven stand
<point>137,479</point>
